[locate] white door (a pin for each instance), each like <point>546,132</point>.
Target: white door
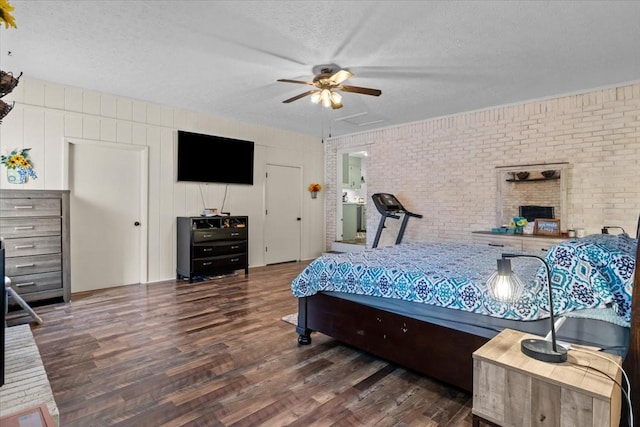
<point>283,221</point>
<point>106,214</point>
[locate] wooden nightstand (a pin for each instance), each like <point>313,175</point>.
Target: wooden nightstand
<point>512,389</point>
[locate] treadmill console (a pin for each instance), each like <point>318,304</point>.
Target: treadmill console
<point>387,203</point>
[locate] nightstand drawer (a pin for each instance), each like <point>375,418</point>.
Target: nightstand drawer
<point>32,246</point>
<point>29,227</point>
<point>32,264</point>
<point>29,207</point>
<point>37,282</point>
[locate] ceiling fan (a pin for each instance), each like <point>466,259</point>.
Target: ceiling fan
<point>327,84</point>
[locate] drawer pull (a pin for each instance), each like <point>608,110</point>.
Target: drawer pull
<point>206,235</point>
<point>234,259</point>
<point>25,265</point>
<point>207,263</point>
<point>24,227</point>
<point>23,207</point>
<point>235,247</point>
<point>496,245</point>
<point>25,284</point>
<point>235,234</point>
<point>207,249</point>
<point>24,246</point>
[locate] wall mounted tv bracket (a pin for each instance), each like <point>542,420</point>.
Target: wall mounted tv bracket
<point>390,207</point>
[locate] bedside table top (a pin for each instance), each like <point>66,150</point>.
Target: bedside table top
<point>504,350</point>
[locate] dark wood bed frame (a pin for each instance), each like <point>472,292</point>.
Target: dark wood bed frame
<point>431,350</point>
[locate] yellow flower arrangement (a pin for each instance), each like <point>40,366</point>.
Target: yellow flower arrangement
<point>314,188</point>
<point>5,16</point>
<point>18,162</point>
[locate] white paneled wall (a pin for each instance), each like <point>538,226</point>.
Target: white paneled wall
<point>47,114</point>
<point>444,168</point>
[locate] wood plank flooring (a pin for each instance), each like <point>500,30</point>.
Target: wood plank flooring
<point>216,353</point>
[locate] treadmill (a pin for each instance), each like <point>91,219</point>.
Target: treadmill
<point>390,207</point>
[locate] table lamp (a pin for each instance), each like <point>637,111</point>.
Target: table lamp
<point>505,286</point>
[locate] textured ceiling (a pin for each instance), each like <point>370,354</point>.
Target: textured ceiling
<point>429,58</point>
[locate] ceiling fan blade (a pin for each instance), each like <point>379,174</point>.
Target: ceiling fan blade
<point>362,90</point>
<point>340,76</point>
<point>295,81</point>
<point>302,95</point>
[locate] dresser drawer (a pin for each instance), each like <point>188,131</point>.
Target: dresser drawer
<point>219,234</point>
<point>29,207</point>
<point>207,250</point>
<point>32,246</point>
<point>500,241</point>
<point>29,227</point>
<point>37,282</point>
<point>230,262</point>
<point>32,264</point>
<point>539,243</point>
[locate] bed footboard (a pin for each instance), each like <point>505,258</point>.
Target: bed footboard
<point>432,350</point>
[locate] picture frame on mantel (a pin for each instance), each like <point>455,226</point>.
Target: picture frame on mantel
<point>547,227</point>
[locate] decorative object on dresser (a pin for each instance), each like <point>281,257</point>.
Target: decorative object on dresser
<point>34,225</point>
<point>547,227</point>
<point>212,246</point>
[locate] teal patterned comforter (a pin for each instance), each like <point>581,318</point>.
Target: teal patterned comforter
<point>592,272</point>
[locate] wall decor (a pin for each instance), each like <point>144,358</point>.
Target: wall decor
<point>313,189</point>
<point>19,167</point>
<point>7,83</point>
<point>5,15</point>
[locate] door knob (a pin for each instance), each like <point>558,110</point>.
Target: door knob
<point>137,223</point>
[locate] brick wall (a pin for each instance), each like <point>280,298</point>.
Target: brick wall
<point>445,168</point>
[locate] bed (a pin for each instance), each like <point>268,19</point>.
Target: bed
<point>358,299</point>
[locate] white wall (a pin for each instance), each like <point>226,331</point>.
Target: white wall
<point>445,168</point>
<point>46,114</point>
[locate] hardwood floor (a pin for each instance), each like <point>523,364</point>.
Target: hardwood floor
<point>217,353</point>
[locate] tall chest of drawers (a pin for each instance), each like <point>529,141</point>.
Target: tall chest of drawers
<point>34,225</point>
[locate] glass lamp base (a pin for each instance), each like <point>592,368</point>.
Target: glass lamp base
<point>543,350</point>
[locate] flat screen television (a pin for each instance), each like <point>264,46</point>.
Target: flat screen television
<point>207,158</point>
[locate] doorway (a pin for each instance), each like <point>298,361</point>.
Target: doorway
<point>282,219</point>
<point>352,204</point>
<point>107,185</point>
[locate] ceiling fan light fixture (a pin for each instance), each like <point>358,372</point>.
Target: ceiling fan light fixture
<point>326,98</point>
<point>327,86</point>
